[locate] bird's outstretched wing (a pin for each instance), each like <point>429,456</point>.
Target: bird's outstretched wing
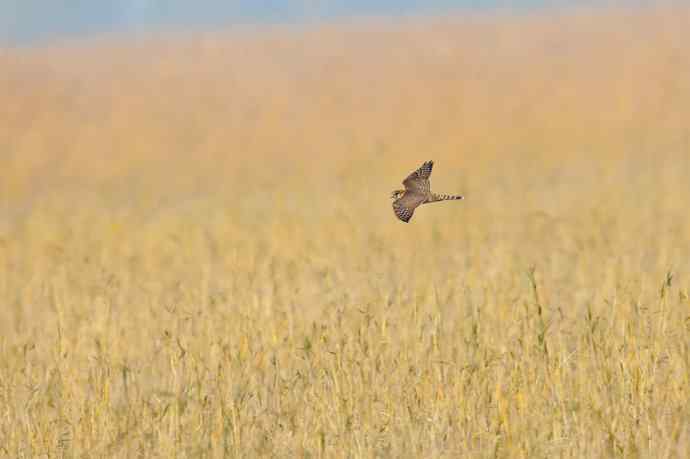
<point>419,179</point>
<point>402,212</point>
<point>404,207</point>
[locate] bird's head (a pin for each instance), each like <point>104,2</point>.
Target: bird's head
<point>397,194</point>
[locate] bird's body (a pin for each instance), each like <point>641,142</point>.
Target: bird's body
<point>417,192</point>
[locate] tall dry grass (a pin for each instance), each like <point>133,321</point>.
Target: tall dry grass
<point>198,257</point>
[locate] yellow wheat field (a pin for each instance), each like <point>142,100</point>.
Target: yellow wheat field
<point>198,258</point>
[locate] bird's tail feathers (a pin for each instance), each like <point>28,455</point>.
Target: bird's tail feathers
<point>444,197</point>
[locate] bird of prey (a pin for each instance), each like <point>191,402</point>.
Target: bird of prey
<point>417,192</point>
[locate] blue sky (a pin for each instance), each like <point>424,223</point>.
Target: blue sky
<point>38,21</point>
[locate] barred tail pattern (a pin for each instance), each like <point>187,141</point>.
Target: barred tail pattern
<point>444,197</point>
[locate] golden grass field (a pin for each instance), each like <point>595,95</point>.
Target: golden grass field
<point>198,257</point>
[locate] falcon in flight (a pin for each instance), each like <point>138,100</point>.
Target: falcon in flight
<point>417,192</point>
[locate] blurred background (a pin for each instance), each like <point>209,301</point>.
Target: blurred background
<point>34,21</point>
<point>89,100</point>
